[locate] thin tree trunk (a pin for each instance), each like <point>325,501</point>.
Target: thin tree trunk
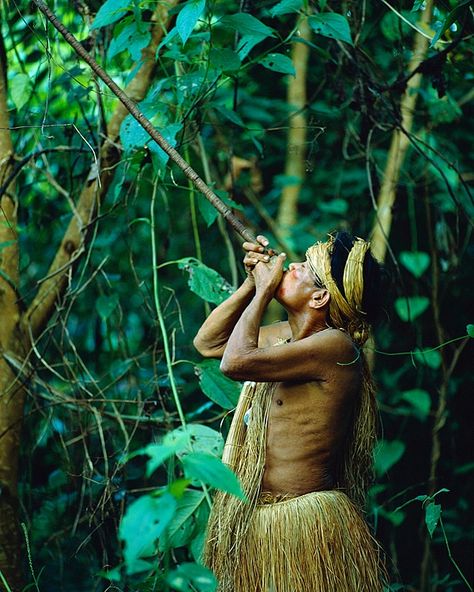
<point>399,144</point>
<point>296,146</point>
<point>16,330</point>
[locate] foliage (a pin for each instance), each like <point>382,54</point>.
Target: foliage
<point>121,441</point>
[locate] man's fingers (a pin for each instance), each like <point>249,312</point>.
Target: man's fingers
<point>262,240</point>
<point>252,247</point>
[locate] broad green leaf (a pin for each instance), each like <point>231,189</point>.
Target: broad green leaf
<point>212,471</point>
<point>216,386</point>
<point>188,17</point>
<point>387,454</point>
<point>142,525</point>
<point>106,305</point>
<point>286,7</point>
<point>132,38</point>
<point>470,330</point>
<point>431,358</point>
<point>159,156</point>
<point>230,115</point>
<point>205,282</point>
<point>251,30</point>
<point>201,438</point>
<point>432,516</point>
<point>278,63</point>
<point>408,309</point>
<point>110,12</point>
<point>207,210</point>
<point>192,577</point>
<point>20,87</point>
<point>183,522</point>
<point>224,59</point>
<point>419,400</point>
<point>417,262</point>
<point>330,24</point>
<point>159,453</point>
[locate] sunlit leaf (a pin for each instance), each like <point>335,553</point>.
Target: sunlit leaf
<point>330,24</point>
<point>216,386</point>
<point>212,471</point>
<point>470,330</point>
<point>205,282</point>
<point>431,358</point>
<point>110,12</point>
<point>417,262</point>
<point>251,30</point>
<point>20,87</point>
<point>409,308</point>
<point>143,523</point>
<point>183,522</point>
<point>188,17</point>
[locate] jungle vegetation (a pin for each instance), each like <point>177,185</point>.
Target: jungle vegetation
<point>304,117</point>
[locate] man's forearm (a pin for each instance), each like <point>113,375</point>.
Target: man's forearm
<point>212,337</point>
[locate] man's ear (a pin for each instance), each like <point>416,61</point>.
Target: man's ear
<point>320,299</point>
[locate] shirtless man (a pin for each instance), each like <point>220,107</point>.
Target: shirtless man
<point>317,372</point>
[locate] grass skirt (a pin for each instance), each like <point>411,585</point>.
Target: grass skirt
<point>317,542</point>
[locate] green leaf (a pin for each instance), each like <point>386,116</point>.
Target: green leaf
<point>106,305</point>
<point>192,577</point>
<point>159,156</point>
<point>180,528</point>
<point>216,386</point>
<point>408,309</point>
<point>470,330</point>
<point>450,19</point>
<point>188,17</point>
<point>205,282</point>
<point>432,516</point>
<point>202,438</point>
<point>110,12</point>
<point>286,7</point>
<point>212,471</point>
<point>159,453</point>
<point>251,30</point>
<point>230,115</point>
<point>330,24</point>
<point>132,38</point>
<point>419,400</point>
<point>336,206</point>
<point>278,63</point>
<point>142,525</point>
<point>387,454</point>
<point>224,59</point>
<point>417,262</point>
<point>20,87</point>
<point>431,358</point>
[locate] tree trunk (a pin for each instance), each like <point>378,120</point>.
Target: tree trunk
<point>16,329</point>
<point>399,144</point>
<point>296,146</point>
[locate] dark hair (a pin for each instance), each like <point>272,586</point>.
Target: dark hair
<point>374,275</point>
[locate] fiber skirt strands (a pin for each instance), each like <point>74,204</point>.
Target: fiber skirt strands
<point>317,542</point>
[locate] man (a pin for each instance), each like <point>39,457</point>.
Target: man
<point>302,437</point>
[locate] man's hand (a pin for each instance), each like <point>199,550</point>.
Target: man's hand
<point>267,276</point>
<point>255,252</point>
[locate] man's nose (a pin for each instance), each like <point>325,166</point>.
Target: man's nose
<point>293,265</point>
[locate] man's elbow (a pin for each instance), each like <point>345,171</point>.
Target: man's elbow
<point>233,367</point>
<point>205,350</point>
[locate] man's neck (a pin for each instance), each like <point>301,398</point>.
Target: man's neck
<point>305,324</point>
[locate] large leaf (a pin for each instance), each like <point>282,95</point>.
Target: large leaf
<point>452,17</point>
<point>278,63</point>
<point>408,309</point>
<point>420,402</point>
<point>224,59</point>
<point>188,17</point>
<point>110,12</point>
<point>251,30</point>
<point>387,454</point>
<point>205,282</point>
<point>142,525</point>
<point>200,438</point>
<point>212,471</point>
<point>20,86</point>
<point>216,386</point>
<point>330,24</point>
<point>133,38</point>
<point>192,577</point>
<point>182,525</point>
<point>417,262</point>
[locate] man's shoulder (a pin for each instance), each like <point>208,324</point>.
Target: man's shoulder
<point>334,344</point>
